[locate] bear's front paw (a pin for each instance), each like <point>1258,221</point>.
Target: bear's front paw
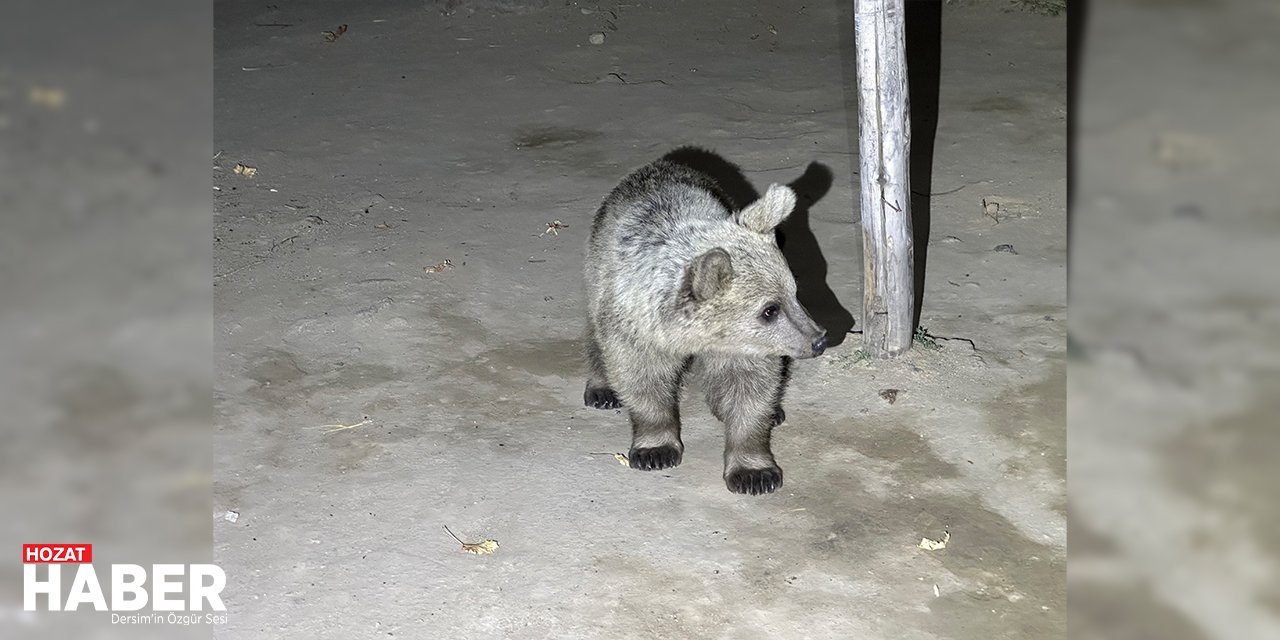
<point>754,481</point>
<point>602,398</point>
<point>654,458</point>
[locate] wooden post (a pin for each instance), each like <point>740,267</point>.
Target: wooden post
<point>884,145</point>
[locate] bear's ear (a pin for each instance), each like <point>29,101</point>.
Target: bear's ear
<point>708,274</point>
<point>770,210</point>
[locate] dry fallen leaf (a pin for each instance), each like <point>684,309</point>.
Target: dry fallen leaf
<point>245,170</point>
<point>479,548</point>
<point>47,97</point>
<point>330,36</point>
<point>935,545</point>
<point>622,459</point>
<point>439,266</point>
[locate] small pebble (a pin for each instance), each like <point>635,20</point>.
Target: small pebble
<point>596,38</point>
<point>1004,248</point>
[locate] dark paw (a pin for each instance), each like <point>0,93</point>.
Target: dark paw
<point>602,398</point>
<point>654,458</point>
<point>779,416</point>
<point>754,481</point>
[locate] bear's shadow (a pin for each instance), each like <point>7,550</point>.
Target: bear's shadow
<point>795,238</point>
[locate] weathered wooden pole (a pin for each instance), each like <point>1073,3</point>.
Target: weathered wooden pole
<point>884,145</point>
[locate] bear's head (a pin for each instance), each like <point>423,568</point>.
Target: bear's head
<point>741,296</point>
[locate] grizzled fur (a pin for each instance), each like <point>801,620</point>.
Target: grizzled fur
<point>678,283</point>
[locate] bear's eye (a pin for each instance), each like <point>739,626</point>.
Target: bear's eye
<point>770,313</point>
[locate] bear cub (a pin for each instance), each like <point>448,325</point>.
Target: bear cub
<point>678,283</point>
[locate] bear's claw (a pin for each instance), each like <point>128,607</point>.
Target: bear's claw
<point>754,481</point>
<point>602,398</point>
<point>654,458</point>
<point>779,416</point>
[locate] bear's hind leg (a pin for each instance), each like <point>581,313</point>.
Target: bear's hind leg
<point>598,393</point>
<point>744,394</point>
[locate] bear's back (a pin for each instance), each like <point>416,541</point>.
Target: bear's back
<point>649,228</point>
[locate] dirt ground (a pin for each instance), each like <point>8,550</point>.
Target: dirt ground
<point>1175,309</point>
<point>452,134</point>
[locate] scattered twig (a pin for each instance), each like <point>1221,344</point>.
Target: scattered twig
<point>554,228</point>
<point>940,193</point>
<point>334,428</point>
<point>620,78</point>
<point>775,113</point>
<point>625,81</point>
<point>924,338</point>
<point>971,344</point>
<point>240,268</point>
<point>929,340</point>
<point>786,137</point>
<point>786,168</point>
<point>280,242</point>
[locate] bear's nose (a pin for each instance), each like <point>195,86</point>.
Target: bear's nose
<point>820,345</point>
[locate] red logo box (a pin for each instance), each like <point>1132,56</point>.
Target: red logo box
<point>56,553</point>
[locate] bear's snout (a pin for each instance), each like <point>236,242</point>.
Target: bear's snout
<point>819,345</point>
